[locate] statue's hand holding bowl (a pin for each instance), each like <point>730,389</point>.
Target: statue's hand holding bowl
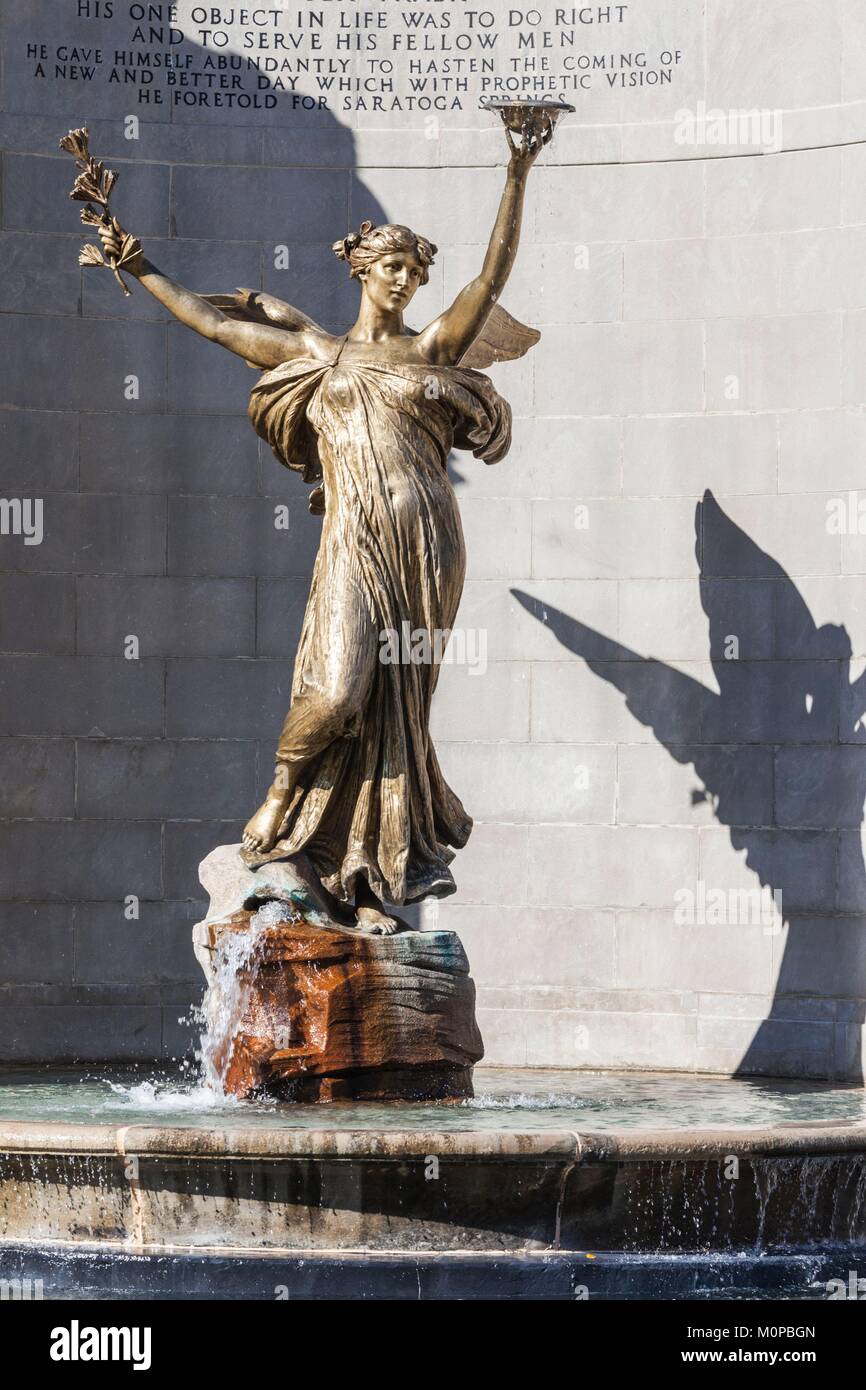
<point>529,126</point>
<point>530,142</point>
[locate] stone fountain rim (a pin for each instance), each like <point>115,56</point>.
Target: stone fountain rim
<point>220,1142</point>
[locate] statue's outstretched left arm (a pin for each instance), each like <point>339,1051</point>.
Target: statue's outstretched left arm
<point>260,344</point>
<point>447,338</point>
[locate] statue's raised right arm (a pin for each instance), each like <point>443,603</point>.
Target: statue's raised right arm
<point>447,338</point>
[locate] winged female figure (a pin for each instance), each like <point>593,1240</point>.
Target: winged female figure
<point>369,417</point>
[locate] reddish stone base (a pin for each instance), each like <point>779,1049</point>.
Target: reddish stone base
<point>327,1014</point>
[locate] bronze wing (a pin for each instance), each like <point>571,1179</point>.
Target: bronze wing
<point>501,340</point>
<point>257,307</point>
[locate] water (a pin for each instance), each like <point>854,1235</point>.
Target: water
<point>93,1276</point>
<point>525,1099</point>
<point>227,996</point>
<point>782,1233</point>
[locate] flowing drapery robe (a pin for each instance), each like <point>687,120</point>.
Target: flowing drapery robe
<point>371,799</point>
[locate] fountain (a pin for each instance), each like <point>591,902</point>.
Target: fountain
<point>337,1141</point>
<point>545,1184</point>
<point>302,1004</point>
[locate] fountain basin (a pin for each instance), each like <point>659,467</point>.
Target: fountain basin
<point>541,1164</point>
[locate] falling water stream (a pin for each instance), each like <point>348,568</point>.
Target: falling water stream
<point>225,999</point>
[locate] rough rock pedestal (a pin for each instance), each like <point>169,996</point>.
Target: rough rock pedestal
<point>302,1004</point>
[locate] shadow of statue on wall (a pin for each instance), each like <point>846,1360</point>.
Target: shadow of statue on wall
<point>775,754</point>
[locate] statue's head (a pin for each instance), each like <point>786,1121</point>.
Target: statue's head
<point>391,262</point>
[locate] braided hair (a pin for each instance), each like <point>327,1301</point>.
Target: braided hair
<point>360,249</point>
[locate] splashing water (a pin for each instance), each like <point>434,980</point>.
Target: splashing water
<point>515,1100</point>
<point>227,995</point>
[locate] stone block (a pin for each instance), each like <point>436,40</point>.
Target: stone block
<point>775,1047</point>
<point>821,449</point>
<point>38,777</point>
<point>621,368</point>
<point>774,363</point>
<point>652,950</point>
<point>36,943</point>
<point>615,202</point>
<point>292,206</point>
<point>498,539</point>
<point>37,613</point>
<point>546,946</point>
<point>820,788</point>
<point>220,699</point>
<point>80,1032</point>
<point>239,536</point>
<point>204,377</point>
<point>681,784</point>
<point>101,697</point>
<point>800,864</point>
<point>313,280</point>
<point>202,266</point>
<point>783,194</point>
<point>534,782</point>
<point>153,948</point>
<point>823,955</point>
<point>613,539</point>
<point>823,270</point>
<point>701,278</point>
<point>91,860</point>
<point>186,844</point>
<point>121,452</point>
<point>99,358</point>
<point>853,369</point>
<point>494,704</point>
<point>458,201</point>
<point>514,633</point>
<point>280,608</point>
<point>570,701</point>
<point>769,537</point>
<point>680,455</point>
<point>169,616</point>
<point>569,458</point>
<point>38,451</point>
<point>563,283</point>
<point>56,289</point>
<point>676,619</point>
<point>145,781</point>
<point>491,845</point>
<point>743,55</point>
<point>571,1038</point>
<point>607,866</point>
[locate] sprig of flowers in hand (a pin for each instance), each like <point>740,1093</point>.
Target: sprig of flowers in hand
<point>93,184</point>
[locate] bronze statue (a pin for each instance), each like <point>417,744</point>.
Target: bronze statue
<point>369,417</point>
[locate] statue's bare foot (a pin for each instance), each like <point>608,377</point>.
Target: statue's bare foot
<point>371,915</point>
<point>260,831</point>
<point>378,922</point>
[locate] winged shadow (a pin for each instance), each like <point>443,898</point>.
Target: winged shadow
<point>772,751</point>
